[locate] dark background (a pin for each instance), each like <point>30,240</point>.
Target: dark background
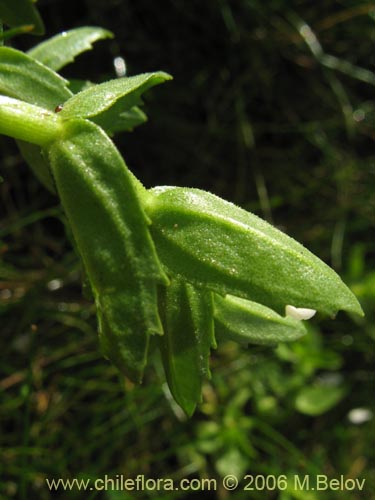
<point>254,116</point>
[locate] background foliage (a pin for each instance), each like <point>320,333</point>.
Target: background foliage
<point>256,114</point>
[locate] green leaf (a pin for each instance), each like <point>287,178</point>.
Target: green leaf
<point>62,49</point>
<point>38,163</point>
<point>213,243</point>
<point>185,345</point>
<point>26,79</point>
<point>114,120</point>
<point>124,93</point>
<point>101,201</point>
<point>21,12</point>
<point>251,323</point>
<point>318,399</point>
<point>26,122</point>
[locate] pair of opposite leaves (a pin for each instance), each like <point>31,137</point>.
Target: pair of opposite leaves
<point>176,262</point>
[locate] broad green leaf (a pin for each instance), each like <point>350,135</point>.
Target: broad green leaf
<point>318,399</point>
<point>21,12</point>
<point>125,93</point>
<point>62,49</point>
<point>26,79</point>
<point>213,243</point>
<point>101,201</point>
<point>186,343</point>
<point>251,323</point>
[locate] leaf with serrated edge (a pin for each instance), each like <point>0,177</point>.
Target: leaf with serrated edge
<point>247,322</point>
<point>213,243</point>
<point>62,49</point>
<point>124,92</point>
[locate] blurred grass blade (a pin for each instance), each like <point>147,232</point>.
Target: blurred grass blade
<point>327,60</point>
<point>251,323</point>
<point>15,13</point>
<point>213,243</point>
<point>346,67</point>
<point>27,220</point>
<point>186,343</point>
<point>123,92</point>
<point>100,198</point>
<point>20,30</point>
<point>62,49</point>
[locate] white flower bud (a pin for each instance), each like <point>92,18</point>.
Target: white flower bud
<point>299,312</point>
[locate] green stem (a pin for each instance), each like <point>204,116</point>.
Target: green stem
<point>27,122</point>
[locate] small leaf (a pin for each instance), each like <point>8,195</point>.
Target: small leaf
<point>101,199</point>
<point>115,120</point>
<point>318,399</point>
<point>125,93</point>
<point>21,12</point>
<point>62,49</point>
<point>213,243</point>
<point>37,162</point>
<point>251,323</point>
<point>28,80</point>
<point>185,345</point>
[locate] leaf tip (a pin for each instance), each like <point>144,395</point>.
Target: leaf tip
<point>188,407</point>
<point>348,302</point>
